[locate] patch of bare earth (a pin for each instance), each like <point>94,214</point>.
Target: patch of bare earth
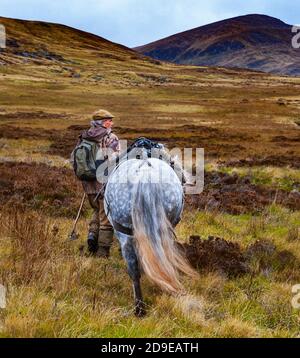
<point>235,195</point>
<point>216,254</point>
<point>230,259</point>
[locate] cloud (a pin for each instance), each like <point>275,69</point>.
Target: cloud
<point>136,22</point>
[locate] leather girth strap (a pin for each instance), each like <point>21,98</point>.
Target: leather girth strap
<point>122,229</point>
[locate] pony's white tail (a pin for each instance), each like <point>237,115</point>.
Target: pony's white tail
<point>155,237</point>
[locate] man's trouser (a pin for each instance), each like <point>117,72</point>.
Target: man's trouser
<point>99,224</point>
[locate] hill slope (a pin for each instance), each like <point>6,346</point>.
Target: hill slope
<point>256,42</point>
<point>247,122</point>
<point>40,42</point>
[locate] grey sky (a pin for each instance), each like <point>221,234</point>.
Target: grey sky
<point>137,22</point>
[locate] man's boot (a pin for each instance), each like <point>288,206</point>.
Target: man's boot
<point>105,242</point>
<point>92,243</point>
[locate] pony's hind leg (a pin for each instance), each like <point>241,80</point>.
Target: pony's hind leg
<point>129,255</point>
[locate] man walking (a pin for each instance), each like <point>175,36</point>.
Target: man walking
<point>100,235</point>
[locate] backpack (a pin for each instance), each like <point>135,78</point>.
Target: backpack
<point>84,160</point>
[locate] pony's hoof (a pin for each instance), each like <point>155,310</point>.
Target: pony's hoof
<point>140,310</point>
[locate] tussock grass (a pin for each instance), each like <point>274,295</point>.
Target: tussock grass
<point>54,291</point>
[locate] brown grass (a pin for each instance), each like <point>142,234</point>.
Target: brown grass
<point>37,186</point>
<point>235,115</point>
<point>34,244</point>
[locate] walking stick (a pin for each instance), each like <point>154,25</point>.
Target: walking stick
<point>74,235</point>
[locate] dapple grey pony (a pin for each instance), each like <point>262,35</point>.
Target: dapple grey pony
<point>144,202</point>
